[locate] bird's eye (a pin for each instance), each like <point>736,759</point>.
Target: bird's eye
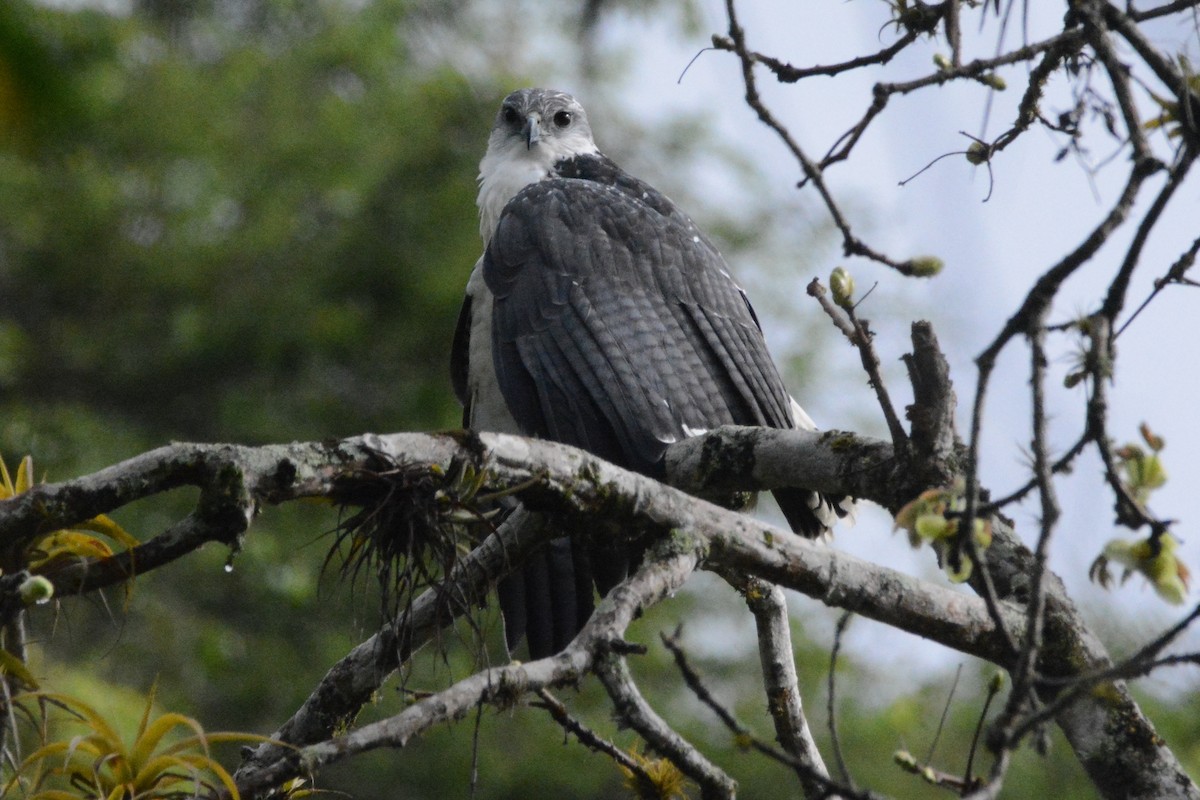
<point>510,115</point>
<point>562,119</point>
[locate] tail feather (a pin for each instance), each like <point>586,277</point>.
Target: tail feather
<point>551,596</point>
<point>548,599</point>
<point>812,514</point>
<point>511,594</point>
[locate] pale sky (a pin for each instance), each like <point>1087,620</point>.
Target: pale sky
<point>993,250</point>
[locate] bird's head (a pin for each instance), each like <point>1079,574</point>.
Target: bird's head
<point>534,130</point>
<point>542,125</point>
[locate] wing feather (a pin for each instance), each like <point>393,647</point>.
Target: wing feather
<point>460,358</point>
<point>751,370</point>
<point>619,326</point>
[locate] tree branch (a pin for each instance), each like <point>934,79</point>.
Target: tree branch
<point>351,682</point>
<point>565,480</point>
<point>658,577</point>
<point>768,604</point>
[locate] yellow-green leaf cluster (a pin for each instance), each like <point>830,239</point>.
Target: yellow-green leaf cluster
<point>167,757</point>
<point>1142,469</point>
<point>931,518</point>
<point>14,667</point>
<point>1154,557</point>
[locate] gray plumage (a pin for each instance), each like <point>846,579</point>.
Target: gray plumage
<point>600,316</point>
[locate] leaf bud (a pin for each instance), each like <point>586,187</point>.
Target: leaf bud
<point>993,80</point>
<point>841,282</point>
<point>977,153</point>
<point>926,266</point>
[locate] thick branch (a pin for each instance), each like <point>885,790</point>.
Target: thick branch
<point>768,604</point>
<point>737,459</point>
<point>502,685</point>
<point>1111,736</point>
<point>350,683</point>
<point>633,710</point>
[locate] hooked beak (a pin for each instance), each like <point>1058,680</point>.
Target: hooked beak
<point>531,131</point>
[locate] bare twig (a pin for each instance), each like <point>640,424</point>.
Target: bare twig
<point>1114,301</point>
<point>633,710</point>
<point>993,689</point>
<point>1137,665</point>
<point>1024,674</point>
<point>831,701</point>
<point>1032,310</point>
<point>1163,68</point>
<point>1174,275</point>
<point>937,736</point>
<point>786,73</point>
<point>860,336</point>
<point>816,782</point>
<point>851,244</point>
<point>592,740</point>
<point>1165,10</point>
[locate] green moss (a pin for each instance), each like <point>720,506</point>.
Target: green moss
<point>1108,694</point>
<point>721,458</point>
<point>676,540</point>
<point>840,442</point>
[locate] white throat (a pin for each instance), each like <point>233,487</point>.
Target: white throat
<point>509,166</point>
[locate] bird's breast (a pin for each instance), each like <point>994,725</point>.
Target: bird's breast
<point>489,411</point>
<point>499,182</point>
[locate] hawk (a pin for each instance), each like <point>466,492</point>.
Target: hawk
<point>600,316</point>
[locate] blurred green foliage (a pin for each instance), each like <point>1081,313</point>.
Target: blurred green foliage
<point>251,220</point>
<point>244,230</point>
<point>226,221</point>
